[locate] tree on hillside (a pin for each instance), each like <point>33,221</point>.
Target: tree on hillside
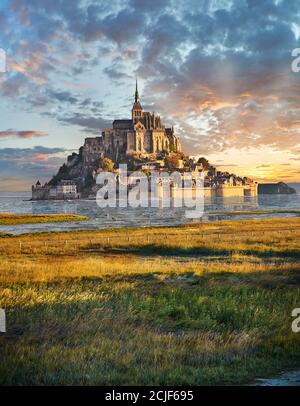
<point>204,162</point>
<point>190,162</point>
<point>106,164</point>
<point>89,181</point>
<point>172,161</point>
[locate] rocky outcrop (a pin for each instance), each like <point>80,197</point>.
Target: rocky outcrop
<point>279,188</point>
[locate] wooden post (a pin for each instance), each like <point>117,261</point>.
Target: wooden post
<point>2,321</point>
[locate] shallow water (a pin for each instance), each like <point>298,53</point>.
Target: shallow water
<point>284,379</point>
<point>12,202</point>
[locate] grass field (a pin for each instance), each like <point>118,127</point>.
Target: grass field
<point>193,305</point>
<point>12,219</point>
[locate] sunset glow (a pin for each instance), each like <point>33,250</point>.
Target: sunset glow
<point>226,84</point>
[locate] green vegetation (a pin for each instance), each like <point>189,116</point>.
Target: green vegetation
<point>106,164</point>
<point>204,162</point>
<point>199,304</point>
<point>172,161</point>
<point>12,219</point>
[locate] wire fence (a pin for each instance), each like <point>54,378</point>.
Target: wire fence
<point>25,245</point>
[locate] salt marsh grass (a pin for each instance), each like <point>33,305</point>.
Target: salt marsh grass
<point>198,304</point>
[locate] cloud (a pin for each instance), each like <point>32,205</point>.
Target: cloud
<point>63,96</point>
<point>115,72</point>
<point>23,134</point>
<point>150,6</point>
<point>220,71</point>
<point>122,27</point>
<point>17,154</point>
<point>163,41</point>
<point>88,123</point>
<point>263,166</point>
<point>226,165</point>
<point>20,166</point>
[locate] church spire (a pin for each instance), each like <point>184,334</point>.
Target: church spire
<point>136,97</point>
<point>137,110</point>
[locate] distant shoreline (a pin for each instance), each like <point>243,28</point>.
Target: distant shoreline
<point>13,219</point>
<point>292,184</point>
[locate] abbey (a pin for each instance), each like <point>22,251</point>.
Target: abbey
<point>144,143</point>
<point>144,134</point>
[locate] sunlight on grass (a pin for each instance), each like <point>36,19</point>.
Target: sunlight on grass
<point>198,304</point>
<point>13,219</point>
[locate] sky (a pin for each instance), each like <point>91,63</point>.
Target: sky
<point>218,70</point>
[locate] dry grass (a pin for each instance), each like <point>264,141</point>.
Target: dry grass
<point>13,219</point>
<point>199,304</point>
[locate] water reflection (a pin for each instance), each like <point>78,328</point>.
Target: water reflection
<point>140,217</point>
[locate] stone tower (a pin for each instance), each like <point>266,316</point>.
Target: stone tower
<point>137,110</point>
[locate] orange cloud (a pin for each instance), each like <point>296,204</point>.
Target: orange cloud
<point>23,134</point>
<point>41,157</point>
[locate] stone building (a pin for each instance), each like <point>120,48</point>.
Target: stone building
<point>65,189</point>
<point>143,134</point>
<point>39,192</point>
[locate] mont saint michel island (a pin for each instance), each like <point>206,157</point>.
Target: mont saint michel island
<point>145,144</point>
<point>149,198</point>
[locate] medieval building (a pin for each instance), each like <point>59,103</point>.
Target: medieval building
<point>144,134</point>
<point>144,138</point>
<point>64,190</point>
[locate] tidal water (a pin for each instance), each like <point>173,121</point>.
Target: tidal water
<point>18,202</point>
